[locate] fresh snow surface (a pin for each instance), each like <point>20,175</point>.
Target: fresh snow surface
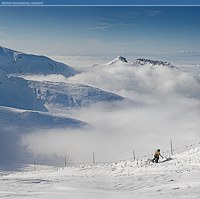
<point>71,95</point>
<point>16,93</point>
<point>174,177</point>
<point>20,63</point>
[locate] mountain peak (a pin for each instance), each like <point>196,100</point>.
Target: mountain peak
<point>143,61</point>
<point>118,59</point>
<point>121,58</point>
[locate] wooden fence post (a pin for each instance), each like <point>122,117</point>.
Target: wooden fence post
<point>94,158</point>
<point>65,161</point>
<point>171,147</point>
<point>134,155</point>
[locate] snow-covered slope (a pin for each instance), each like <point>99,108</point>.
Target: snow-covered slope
<point>14,123</point>
<point>176,178</point>
<point>23,119</point>
<point>20,63</point>
<point>16,93</point>
<point>71,95</point>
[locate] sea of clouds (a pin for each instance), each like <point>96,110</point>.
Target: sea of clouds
<point>163,104</point>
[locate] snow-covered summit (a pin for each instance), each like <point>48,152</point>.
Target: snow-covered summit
<point>12,61</point>
<point>118,59</point>
<point>143,61</point>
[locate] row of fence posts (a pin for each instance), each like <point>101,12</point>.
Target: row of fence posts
<point>134,156</point>
<point>94,160</point>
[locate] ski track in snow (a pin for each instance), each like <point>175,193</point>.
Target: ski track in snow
<point>176,178</point>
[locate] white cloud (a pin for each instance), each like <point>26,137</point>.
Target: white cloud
<point>151,13</point>
<point>106,26</point>
<point>113,134</point>
<point>138,82</point>
<point>101,26</point>
<point>2,30</point>
<point>167,108</point>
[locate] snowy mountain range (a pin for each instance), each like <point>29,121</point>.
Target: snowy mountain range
<point>141,62</point>
<point>69,99</point>
<point>24,103</point>
<point>19,93</point>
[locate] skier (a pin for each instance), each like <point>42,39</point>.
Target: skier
<point>156,156</point>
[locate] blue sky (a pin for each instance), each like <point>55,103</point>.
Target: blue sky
<point>99,30</point>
